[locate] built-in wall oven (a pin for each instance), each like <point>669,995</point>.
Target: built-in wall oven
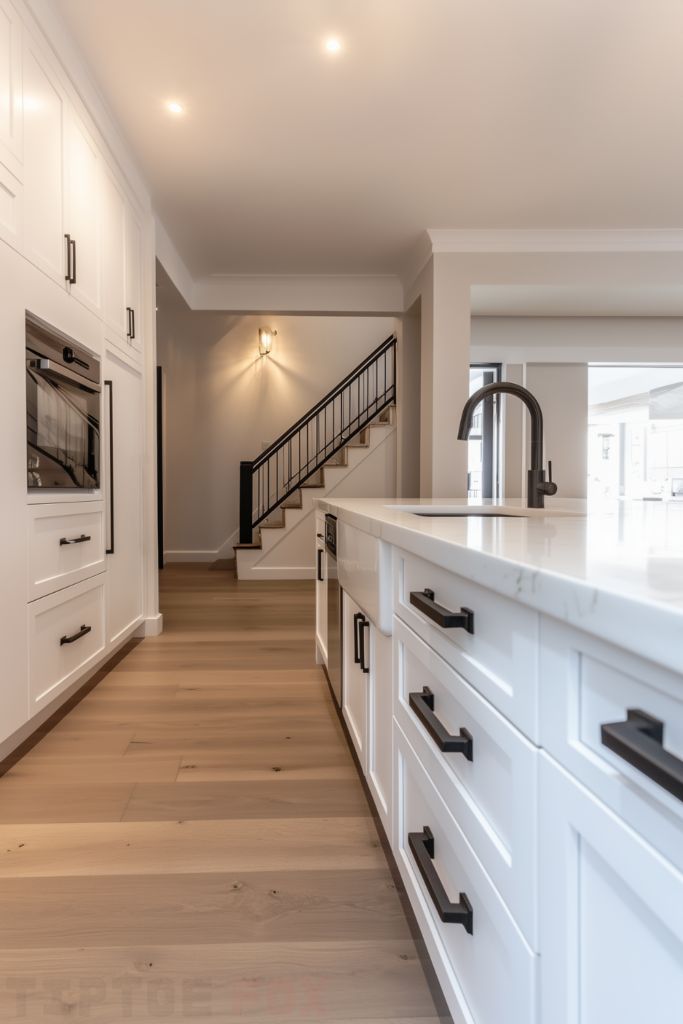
<point>334,609</point>
<point>62,410</point>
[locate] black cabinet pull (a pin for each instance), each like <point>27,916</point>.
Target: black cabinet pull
<point>320,565</point>
<point>131,322</point>
<point>110,549</point>
<point>74,540</point>
<point>422,846</point>
<point>424,601</point>
<point>358,617</point>
<point>423,706</point>
<point>362,626</point>
<point>639,740</point>
<point>77,636</point>
<point>70,275</point>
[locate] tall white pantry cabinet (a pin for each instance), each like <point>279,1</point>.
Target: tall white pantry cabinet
<point>76,250</point>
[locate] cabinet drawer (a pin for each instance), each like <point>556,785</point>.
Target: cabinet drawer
<point>54,663</point>
<point>65,545</point>
<point>488,976</point>
<point>500,658</point>
<point>493,796</point>
<point>587,683</point>
<point>611,914</point>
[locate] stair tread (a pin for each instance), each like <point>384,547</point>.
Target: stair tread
<point>240,546</point>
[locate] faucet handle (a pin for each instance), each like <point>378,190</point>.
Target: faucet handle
<point>548,487</point>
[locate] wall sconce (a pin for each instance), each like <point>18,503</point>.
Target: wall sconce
<point>265,340</point>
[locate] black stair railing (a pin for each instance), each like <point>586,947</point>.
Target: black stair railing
<point>303,449</point>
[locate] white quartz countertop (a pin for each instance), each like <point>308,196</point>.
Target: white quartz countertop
<point>615,571</point>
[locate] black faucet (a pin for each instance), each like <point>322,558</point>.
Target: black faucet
<point>537,485</point>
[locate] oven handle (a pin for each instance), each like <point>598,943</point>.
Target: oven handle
<point>47,368</point>
<point>108,384</point>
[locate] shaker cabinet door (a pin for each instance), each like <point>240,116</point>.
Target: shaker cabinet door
<point>10,87</point>
<point>611,914</point>
<point>123,471</point>
<point>44,119</point>
<point>83,214</point>
<point>357,670</point>
<point>114,262</point>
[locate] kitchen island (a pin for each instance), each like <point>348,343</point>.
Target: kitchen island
<point>512,686</point>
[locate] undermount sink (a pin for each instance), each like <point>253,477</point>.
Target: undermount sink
<point>483,511</point>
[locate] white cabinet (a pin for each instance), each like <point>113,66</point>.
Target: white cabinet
<point>43,126</point>
<point>320,590</point>
<point>123,494</point>
<point>489,784</point>
<point>114,261</point>
<point>65,637</point>
<point>356,667</point>
<point>134,312</point>
<point>10,87</point>
<point>83,208</point>
<point>366,702</point>
<point>488,973</point>
<point>611,914</point>
<point>65,545</point>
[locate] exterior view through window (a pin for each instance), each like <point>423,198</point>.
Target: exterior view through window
<point>635,432</point>
<point>483,441</point>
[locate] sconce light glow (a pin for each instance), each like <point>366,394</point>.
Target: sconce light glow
<point>265,340</point>
<point>333,45</point>
<point>175,108</point>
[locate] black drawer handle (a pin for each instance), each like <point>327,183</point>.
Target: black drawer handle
<point>74,540</point>
<point>77,636</point>
<point>424,601</point>
<point>358,617</point>
<point>363,624</point>
<point>422,845</point>
<point>423,706</point>
<point>639,740</point>
<point>320,565</point>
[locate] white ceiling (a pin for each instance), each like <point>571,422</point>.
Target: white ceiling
<point>435,113</point>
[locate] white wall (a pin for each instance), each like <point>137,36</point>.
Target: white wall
<point>223,402</point>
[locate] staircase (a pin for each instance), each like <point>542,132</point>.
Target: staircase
<point>345,446</point>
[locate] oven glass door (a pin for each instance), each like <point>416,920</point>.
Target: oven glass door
<point>63,432</point>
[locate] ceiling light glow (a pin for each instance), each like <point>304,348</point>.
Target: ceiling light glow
<point>175,108</point>
<point>333,45</point>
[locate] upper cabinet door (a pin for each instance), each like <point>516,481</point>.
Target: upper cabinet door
<point>134,280</point>
<point>83,214</point>
<point>10,88</point>
<point>44,116</point>
<point>114,256</point>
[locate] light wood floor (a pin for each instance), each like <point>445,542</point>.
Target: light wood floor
<point>192,838</point>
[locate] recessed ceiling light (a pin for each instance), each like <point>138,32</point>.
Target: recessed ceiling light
<point>175,108</point>
<point>333,45</point>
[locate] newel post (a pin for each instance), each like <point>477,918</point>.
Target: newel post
<point>246,501</point>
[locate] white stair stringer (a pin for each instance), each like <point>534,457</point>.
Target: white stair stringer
<point>287,552</point>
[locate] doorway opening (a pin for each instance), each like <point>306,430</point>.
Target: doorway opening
<point>483,443</point>
<point>635,432</point>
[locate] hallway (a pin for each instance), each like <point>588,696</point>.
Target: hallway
<point>192,838</point>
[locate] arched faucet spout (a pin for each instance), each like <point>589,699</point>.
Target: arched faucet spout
<point>537,486</point>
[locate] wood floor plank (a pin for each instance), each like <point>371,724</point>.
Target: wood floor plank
<point>277,798</point>
<point>368,982</point>
<point>173,853</point>
<point>179,847</point>
<point>241,906</point>
<point>24,802</point>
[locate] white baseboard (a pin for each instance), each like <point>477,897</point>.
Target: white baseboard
<point>153,625</point>
<point>278,572</point>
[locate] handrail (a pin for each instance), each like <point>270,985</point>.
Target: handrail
<point>265,455</point>
<point>306,446</point>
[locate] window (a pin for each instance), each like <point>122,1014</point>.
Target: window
<point>484,438</point>
<point>635,432</point>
